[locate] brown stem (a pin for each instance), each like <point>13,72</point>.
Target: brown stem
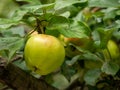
<point>40,28</point>
<point>18,79</point>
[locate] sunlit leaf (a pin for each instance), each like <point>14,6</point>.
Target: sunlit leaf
<point>59,4</point>
<point>77,30</point>
<point>110,13</point>
<point>34,8</point>
<point>30,1</point>
<point>104,3</point>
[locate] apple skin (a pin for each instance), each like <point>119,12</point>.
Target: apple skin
<point>44,53</point>
<point>113,50</point>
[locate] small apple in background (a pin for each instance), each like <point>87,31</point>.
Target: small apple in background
<point>112,50</point>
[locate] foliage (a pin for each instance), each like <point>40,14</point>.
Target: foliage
<point>95,19</point>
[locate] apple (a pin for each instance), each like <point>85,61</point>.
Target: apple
<point>113,50</point>
<point>44,53</point>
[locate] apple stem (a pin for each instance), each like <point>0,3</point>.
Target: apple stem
<point>40,28</point>
<point>27,35</point>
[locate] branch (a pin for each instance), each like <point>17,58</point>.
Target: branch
<point>18,79</point>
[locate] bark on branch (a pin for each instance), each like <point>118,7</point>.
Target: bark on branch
<point>17,79</point>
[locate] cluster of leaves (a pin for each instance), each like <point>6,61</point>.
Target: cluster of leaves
<point>97,19</point>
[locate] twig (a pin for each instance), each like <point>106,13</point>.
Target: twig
<point>18,79</point>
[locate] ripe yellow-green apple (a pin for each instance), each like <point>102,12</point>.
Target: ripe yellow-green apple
<point>44,53</point>
<point>113,50</point>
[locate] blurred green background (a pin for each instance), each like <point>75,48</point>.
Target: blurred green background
<point>7,7</point>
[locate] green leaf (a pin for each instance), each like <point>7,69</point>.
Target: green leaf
<point>21,64</point>
<point>5,43</point>
<point>104,3</point>
<point>56,23</point>
<point>101,37</point>
<point>79,17</point>
<point>19,14</point>
<point>65,14</point>
<point>68,71</point>
<point>35,8</point>
<point>70,11</point>
<point>6,23</point>
<point>11,45</point>
<point>60,4</point>
<point>30,1</point>
<point>91,56</point>
<point>31,11</point>
<point>91,76</point>
<point>14,31</point>
<point>117,23</point>
<point>105,35</point>
<point>110,68</point>
<point>60,81</point>
<point>47,1</point>
<point>118,12</point>
<point>15,47</point>
<point>77,29</point>
<point>110,13</point>
<point>73,60</point>
<point>53,32</point>
<point>116,33</point>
